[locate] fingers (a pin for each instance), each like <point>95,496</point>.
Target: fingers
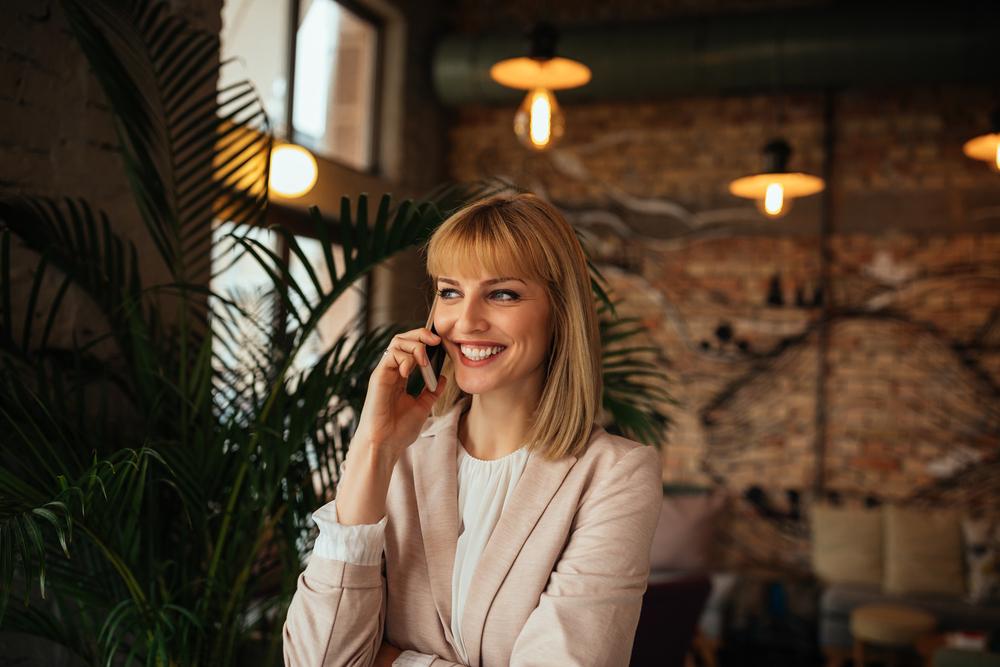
<point>408,349</point>
<point>416,349</point>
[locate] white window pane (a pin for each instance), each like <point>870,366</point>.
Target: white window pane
<point>341,317</point>
<point>334,82</point>
<point>240,279</point>
<point>255,33</point>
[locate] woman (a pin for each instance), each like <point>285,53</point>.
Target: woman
<point>515,530</point>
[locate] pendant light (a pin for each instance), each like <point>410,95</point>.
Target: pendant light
<point>986,147</point>
<point>776,187</point>
<point>293,170</point>
<point>539,122</point>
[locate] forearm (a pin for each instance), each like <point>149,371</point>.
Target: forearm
<point>362,491</point>
<point>336,616</point>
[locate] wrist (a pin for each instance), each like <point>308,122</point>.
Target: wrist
<point>371,456</point>
<point>362,491</point>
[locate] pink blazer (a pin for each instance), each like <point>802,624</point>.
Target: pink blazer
<point>560,581</point>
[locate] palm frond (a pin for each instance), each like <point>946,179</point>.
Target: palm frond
<point>635,379</point>
<point>191,153</point>
<point>31,515</point>
<point>187,539</point>
<point>79,243</point>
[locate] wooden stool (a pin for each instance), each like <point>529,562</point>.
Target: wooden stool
<point>888,626</point>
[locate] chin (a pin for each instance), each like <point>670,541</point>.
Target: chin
<point>475,387</point>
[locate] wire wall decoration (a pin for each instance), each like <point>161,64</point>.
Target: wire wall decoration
<point>923,382</point>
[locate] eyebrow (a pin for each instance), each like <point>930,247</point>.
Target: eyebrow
<point>491,281</point>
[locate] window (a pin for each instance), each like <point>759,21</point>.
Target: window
<point>335,58</point>
<point>239,277</point>
<point>320,70</point>
<point>342,317</point>
<point>254,35</point>
<point>335,68</point>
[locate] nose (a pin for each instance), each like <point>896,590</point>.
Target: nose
<point>471,317</point>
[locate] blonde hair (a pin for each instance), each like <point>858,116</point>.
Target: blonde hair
<point>525,236</point>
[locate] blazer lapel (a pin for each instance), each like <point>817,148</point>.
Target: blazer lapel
<point>539,482</point>
<point>435,479</point>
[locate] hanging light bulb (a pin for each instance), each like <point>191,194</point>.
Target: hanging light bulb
<point>538,122</point>
<point>986,147</point>
<point>774,203</point>
<point>775,188</point>
<point>293,170</point>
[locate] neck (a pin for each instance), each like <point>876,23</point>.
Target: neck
<point>498,422</point>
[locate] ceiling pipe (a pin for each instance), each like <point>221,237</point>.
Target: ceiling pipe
<point>853,46</point>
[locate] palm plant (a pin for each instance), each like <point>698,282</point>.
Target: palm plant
<point>156,482</point>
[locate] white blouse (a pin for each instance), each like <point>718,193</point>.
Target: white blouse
<point>484,487</point>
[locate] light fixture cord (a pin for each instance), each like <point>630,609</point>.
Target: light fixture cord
<point>778,116</point>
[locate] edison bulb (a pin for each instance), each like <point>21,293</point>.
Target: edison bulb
<point>996,162</point>
<point>293,170</point>
<point>539,122</point>
<point>774,204</point>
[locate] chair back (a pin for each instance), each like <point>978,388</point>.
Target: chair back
<point>668,620</point>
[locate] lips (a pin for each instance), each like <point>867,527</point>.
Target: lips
<point>475,362</point>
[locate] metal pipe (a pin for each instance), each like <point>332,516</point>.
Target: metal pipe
<point>854,46</point>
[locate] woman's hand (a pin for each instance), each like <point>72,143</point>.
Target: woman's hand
<point>387,654</point>
<point>391,419</point>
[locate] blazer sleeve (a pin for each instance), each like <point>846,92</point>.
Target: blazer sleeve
<point>337,614</point>
<point>588,613</point>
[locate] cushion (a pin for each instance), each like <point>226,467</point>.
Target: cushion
<point>847,545</point>
<point>952,612</point>
<point>686,532</point>
<point>894,625</point>
<point>982,558</point>
<point>923,551</point>
<point>957,657</point>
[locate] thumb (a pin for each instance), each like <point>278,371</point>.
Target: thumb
<point>431,396</point>
<point>442,381</point>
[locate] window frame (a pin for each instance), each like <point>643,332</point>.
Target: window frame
<point>379,24</point>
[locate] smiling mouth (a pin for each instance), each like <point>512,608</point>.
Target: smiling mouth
<point>479,353</point>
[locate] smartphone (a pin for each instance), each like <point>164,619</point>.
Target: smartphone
<point>436,355</point>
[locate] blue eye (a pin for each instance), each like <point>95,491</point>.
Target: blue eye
<point>447,293</point>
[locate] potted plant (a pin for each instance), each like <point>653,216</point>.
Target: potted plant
<point>156,482</point>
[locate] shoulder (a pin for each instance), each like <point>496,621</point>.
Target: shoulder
<point>619,490</point>
<point>618,461</point>
<point>608,450</point>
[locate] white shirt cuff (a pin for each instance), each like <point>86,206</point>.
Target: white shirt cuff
<point>413,659</point>
<point>361,544</point>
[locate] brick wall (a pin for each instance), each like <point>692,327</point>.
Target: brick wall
<point>57,136</point>
<point>913,297</point>
<point>58,140</point>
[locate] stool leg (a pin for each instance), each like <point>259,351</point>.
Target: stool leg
<point>859,653</point>
<point>836,656</point>
<point>707,649</point>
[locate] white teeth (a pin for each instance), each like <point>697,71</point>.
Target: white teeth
<point>478,353</point>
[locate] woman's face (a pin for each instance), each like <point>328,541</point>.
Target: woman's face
<point>496,329</point>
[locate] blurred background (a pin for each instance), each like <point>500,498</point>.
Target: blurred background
<point>799,201</point>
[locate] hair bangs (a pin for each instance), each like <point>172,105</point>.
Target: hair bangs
<point>475,245</point>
